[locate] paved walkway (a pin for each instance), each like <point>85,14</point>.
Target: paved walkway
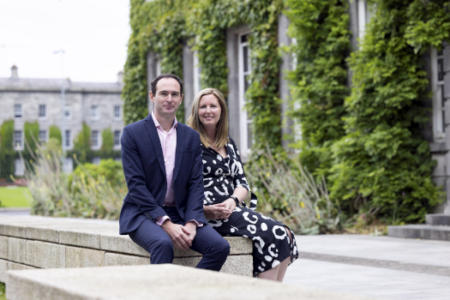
<point>373,267</point>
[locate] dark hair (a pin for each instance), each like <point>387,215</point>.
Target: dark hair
<point>155,81</point>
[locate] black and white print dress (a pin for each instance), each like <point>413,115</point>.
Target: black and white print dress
<point>271,242</point>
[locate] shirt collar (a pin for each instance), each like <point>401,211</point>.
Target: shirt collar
<point>158,125</point>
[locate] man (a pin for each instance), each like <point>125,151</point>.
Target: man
<point>163,169</point>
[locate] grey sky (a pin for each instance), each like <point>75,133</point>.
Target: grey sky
<point>93,35</point>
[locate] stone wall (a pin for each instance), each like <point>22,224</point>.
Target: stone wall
<point>28,242</point>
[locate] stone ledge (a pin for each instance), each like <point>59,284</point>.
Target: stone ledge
<point>151,282</point>
<point>47,242</point>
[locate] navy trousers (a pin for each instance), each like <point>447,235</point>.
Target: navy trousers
<point>157,242</point>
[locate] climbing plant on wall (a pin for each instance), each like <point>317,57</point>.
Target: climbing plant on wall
<point>162,27</point>
<point>31,134</point>
<point>157,27</point>
<point>263,104</point>
<point>7,153</point>
<point>383,164</point>
<point>320,79</point>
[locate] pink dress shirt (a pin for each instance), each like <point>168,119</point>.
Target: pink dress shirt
<point>168,141</point>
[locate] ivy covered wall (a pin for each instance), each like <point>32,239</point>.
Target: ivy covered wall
<point>360,110</point>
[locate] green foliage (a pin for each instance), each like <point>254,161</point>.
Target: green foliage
<point>428,24</point>
<point>7,153</point>
<point>82,145</point>
<point>289,193</point>
<point>263,104</point>
<point>107,148</point>
<point>91,191</point>
<point>321,30</point>
<point>383,164</point>
<point>159,27</point>
<point>162,27</point>
<point>2,291</point>
<point>31,133</point>
<point>55,133</point>
<point>97,191</point>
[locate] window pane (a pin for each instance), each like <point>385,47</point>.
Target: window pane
<point>94,138</point>
<point>42,136</point>
<point>116,137</point>
<point>245,58</point>
<point>117,111</point>
<point>42,110</point>
<point>67,138</point>
<point>17,110</point>
<point>440,69</point>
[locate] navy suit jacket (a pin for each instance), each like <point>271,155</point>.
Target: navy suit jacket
<point>143,165</point>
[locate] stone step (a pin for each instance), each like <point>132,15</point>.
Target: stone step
<point>438,219</point>
<point>420,231</point>
<point>153,282</point>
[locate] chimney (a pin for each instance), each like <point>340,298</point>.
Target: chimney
<point>14,72</point>
<point>120,77</point>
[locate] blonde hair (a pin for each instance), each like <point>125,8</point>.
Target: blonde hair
<point>221,138</point>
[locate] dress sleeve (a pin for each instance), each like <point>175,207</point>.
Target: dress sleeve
<point>237,168</point>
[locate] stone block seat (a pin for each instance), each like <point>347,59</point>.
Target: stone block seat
<point>28,242</point>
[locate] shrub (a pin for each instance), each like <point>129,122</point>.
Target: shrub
<point>91,191</point>
<point>289,193</point>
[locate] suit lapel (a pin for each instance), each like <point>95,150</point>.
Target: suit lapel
<point>157,148</point>
<point>179,152</point>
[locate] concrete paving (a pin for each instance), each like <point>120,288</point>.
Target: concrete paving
<point>374,267</point>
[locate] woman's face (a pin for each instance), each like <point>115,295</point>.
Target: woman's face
<point>209,111</point>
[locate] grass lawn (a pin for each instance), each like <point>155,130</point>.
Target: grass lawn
<point>12,196</point>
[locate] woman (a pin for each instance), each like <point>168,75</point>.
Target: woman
<point>226,188</point>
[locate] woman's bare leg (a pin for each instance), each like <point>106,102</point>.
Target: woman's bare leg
<point>271,274</point>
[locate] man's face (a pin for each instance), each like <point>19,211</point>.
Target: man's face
<point>167,98</point>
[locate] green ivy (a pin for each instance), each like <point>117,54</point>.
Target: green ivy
<point>55,133</point>
<point>319,81</point>
<point>158,27</point>
<point>7,153</point>
<point>31,133</point>
<point>163,27</point>
<point>263,103</point>
<point>82,145</point>
<point>383,164</point>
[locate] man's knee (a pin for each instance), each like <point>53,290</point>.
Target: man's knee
<point>222,248</point>
<point>161,252</point>
<point>163,245</point>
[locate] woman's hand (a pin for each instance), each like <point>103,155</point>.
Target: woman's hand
<point>219,211</point>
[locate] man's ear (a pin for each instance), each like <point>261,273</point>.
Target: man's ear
<point>151,96</point>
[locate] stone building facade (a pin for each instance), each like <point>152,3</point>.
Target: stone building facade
<point>63,103</point>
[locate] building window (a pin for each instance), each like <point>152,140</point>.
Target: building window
<point>117,112</point>
<point>437,79</point>
<point>196,74</point>
<point>18,140</point>
<point>42,111</point>
<point>19,167</point>
<point>95,113</point>
<point>67,112</point>
<point>116,138</point>
<point>244,82</point>
<point>94,139</point>
<point>67,138</point>
<point>17,110</point>
<point>42,136</point>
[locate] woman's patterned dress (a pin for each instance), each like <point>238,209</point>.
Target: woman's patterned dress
<point>271,242</point>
